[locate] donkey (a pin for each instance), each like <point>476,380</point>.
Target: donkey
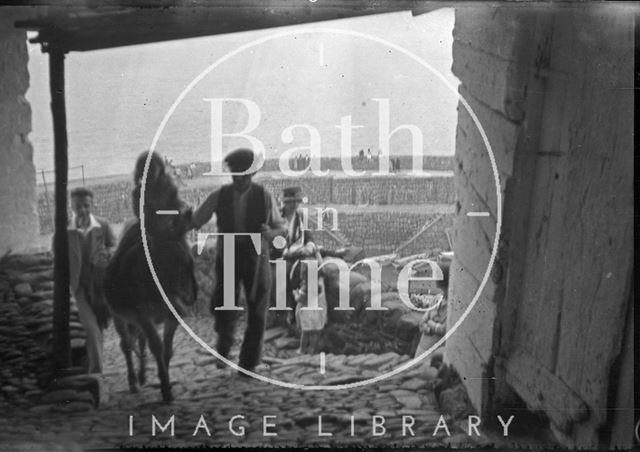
<point>137,304</point>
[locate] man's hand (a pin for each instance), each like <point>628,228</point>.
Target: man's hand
<point>267,233</point>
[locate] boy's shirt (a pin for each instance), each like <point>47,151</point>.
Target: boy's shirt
<point>86,245</point>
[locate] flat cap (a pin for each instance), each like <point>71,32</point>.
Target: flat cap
<point>240,160</point>
<point>292,194</point>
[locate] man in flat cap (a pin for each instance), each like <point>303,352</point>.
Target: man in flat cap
<point>242,207</point>
<point>300,243</point>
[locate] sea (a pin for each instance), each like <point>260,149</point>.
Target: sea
<point>285,88</point>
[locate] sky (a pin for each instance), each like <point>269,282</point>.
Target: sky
<point>311,75</point>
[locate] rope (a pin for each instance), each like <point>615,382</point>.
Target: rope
<point>426,227</point>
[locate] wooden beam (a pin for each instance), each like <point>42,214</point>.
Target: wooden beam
<point>61,348</point>
<point>85,29</point>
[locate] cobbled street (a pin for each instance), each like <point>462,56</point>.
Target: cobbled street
<point>201,389</point>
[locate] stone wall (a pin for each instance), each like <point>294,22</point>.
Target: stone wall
<point>393,190</point>
<point>384,232</point>
<point>19,224</point>
<point>26,309</point>
<point>378,232</point>
<point>113,200</point>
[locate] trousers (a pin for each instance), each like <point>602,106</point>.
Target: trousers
<point>93,331</point>
<point>247,263</point>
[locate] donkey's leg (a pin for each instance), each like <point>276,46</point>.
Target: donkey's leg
<point>155,344</point>
<point>126,345</point>
<point>142,358</point>
<point>170,325</point>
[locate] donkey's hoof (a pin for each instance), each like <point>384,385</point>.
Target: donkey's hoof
<point>133,389</point>
<point>142,378</point>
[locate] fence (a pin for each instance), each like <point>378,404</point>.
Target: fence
<point>377,232</point>
<point>46,209</point>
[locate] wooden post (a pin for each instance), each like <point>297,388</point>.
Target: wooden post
<point>61,348</point>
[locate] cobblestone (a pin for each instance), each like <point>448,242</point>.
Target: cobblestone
<point>218,395</point>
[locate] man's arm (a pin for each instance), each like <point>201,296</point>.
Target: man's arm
<point>204,213</point>
<point>275,224</point>
<point>308,237</point>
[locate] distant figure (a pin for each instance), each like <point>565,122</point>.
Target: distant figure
<point>369,156</point>
<point>192,167</point>
<point>91,243</point>
<point>299,240</point>
<point>393,165</point>
<point>189,172</point>
<point>398,164</point>
<point>361,155</point>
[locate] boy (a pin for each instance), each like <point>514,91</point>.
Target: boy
<point>91,243</point>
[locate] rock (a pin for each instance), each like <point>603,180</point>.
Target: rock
<point>287,343</point>
<point>74,407</point>
<point>357,360</point>
<point>44,285</point>
<point>274,333</point>
<point>42,304</point>
<point>454,401</point>
<point>331,341</point>
<point>413,384</point>
<point>42,295</point>
<point>44,329</point>
<point>331,278</point>
<point>380,360</point>
<point>41,409</point>
<point>430,373</point>
<point>22,290</point>
<point>82,383</point>
<point>37,277</point>
<point>407,327</point>
<point>343,379</point>
<point>24,261</point>
<point>459,440</point>
<point>360,296</point>
<point>408,399</point>
<point>78,342</point>
<point>370,318</point>
<point>66,396</point>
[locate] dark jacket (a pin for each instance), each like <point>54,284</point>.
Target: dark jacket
<point>257,210</point>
